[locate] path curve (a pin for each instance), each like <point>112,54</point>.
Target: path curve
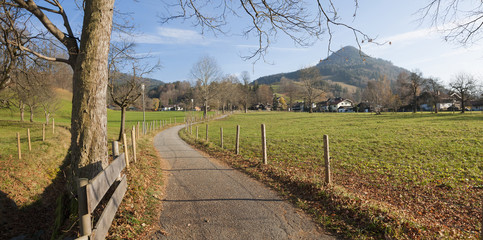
<point>207,200</point>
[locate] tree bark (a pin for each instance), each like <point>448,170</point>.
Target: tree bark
<point>31,113</point>
<point>47,115</point>
<point>22,111</point>
<point>123,120</point>
<point>205,111</point>
<point>89,111</point>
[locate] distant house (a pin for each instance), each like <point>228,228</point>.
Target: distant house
<point>477,105</point>
<point>300,107</point>
<point>449,102</point>
<point>170,108</point>
<point>336,105</point>
<point>260,106</point>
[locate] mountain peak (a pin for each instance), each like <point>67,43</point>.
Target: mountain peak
<point>348,65</point>
<point>345,55</point>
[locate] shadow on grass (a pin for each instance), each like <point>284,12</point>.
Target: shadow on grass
<point>39,220</point>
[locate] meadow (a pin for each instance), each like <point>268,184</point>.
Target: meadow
<point>426,168</point>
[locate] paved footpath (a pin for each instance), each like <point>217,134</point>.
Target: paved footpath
<point>208,200</point>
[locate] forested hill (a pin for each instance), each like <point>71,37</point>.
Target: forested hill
<point>150,83</point>
<point>348,65</point>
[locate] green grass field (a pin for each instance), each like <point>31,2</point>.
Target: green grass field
<point>426,165</point>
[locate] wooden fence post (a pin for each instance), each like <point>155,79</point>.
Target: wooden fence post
<point>126,155</point>
<point>133,138</point>
<point>207,132</point>
<point>237,146</point>
<point>264,145</point>
<point>175,120</point>
<point>221,137</point>
<point>196,132</point>
<point>28,137</point>
<point>328,179</point>
<point>84,215</point>
<point>53,126</point>
<point>19,148</point>
<point>115,149</point>
<point>43,132</point>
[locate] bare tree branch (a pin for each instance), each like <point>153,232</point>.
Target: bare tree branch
<point>459,22</point>
<point>293,18</point>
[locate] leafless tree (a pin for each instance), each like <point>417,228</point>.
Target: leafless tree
<point>378,93</point>
<point>125,92</point>
<point>246,90</point>
<point>11,29</point>
<point>291,89</point>
<point>309,78</point>
<point>434,88</point>
<point>205,72</point>
<point>409,86</point>
<point>416,81</point>
<point>465,85</point>
<point>264,94</point>
<point>460,21</point>
<point>401,88</point>
<point>32,87</point>
<point>228,92</point>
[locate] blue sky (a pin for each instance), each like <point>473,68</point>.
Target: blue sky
<point>178,45</point>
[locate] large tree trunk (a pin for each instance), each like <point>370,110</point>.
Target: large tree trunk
<point>123,120</point>
<point>89,115</point>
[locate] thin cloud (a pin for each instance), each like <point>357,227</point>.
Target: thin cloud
<point>282,49</point>
<point>410,37</point>
<point>165,35</point>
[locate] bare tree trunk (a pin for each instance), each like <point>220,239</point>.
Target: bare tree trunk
<point>31,113</point>
<point>22,111</point>
<point>463,100</point>
<point>89,111</point>
<point>47,115</point>
<point>123,120</point>
<point>205,111</point>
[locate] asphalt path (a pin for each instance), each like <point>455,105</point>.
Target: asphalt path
<point>206,199</point>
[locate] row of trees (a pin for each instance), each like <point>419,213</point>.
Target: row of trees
<point>412,90</point>
<point>32,88</point>
<point>211,89</point>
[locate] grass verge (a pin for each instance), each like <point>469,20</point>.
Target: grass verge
<point>138,214</point>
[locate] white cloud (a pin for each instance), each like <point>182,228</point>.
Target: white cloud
<point>166,35</point>
<point>410,37</point>
<point>271,48</point>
